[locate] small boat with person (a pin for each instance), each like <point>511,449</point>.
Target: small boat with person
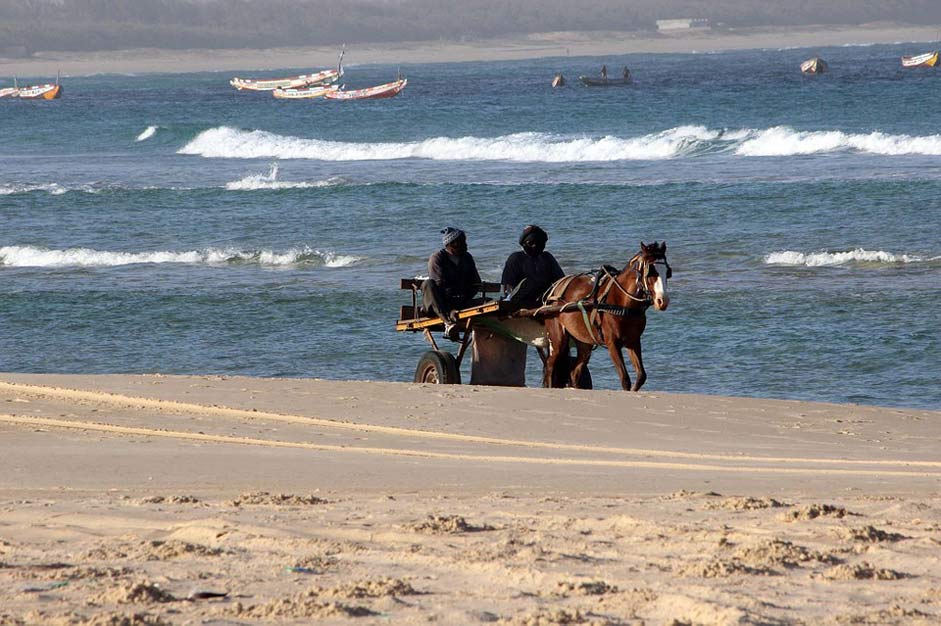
<point>388,90</point>
<point>928,59</point>
<point>815,65</point>
<point>604,81</point>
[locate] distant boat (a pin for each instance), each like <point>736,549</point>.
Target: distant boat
<point>604,81</point>
<point>815,65</point>
<point>48,91</point>
<point>591,81</point>
<point>304,93</point>
<point>558,81</point>
<point>387,90</point>
<point>323,77</point>
<point>928,59</point>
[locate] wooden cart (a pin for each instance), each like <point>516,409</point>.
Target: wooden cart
<point>497,340</point>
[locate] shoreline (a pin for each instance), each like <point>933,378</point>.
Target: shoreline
<point>534,46</point>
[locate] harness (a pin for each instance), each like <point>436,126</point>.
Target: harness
<point>604,279</point>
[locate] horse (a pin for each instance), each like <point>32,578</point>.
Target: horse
<point>609,308</point>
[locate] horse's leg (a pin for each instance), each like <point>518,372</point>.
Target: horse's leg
<point>558,342</point>
<point>614,349</point>
<point>637,359</point>
<point>582,354</point>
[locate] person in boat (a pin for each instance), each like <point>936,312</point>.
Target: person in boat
<point>626,75</point>
<point>604,72</point>
<point>452,281</point>
<point>528,273</point>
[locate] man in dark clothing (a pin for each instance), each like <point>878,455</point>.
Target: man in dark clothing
<point>453,280</point>
<point>535,268</point>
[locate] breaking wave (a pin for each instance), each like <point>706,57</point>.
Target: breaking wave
<point>149,132</point>
<point>859,255</point>
<point>30,256</point>
<point>784,141</point>
<point>226,142</point>
<point>681,141</point>
<point>51,188</point>
<point>270,181</point>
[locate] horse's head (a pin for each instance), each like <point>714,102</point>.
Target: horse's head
<point>654,280</point>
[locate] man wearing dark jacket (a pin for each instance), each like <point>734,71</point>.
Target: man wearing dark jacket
<point>532,266</point>
<point>453,280</point>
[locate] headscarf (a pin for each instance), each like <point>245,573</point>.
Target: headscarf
<point>534,233</point>
<point>450,235</point>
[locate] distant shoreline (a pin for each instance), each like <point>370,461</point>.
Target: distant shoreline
<point>542,45</point>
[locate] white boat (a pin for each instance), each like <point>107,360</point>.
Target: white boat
<point>323,77</point>
<point>47,91</point>
<point>928,59</point>
<point>304,93</point>
<point>387,90</point>
<point>815,65</point>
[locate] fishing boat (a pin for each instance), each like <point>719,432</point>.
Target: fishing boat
<point>604,81</point>
<point>928,59</point>
<point>815,65</point>
<point>323,77</point>
<point>302,93</point>
<point>48,91</point>
<point>8,92</point>
<point>558,81</point>
<point>387,90</point>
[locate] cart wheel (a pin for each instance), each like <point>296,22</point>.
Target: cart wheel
<point>438,368</point>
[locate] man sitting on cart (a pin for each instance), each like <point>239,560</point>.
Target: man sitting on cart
<point>530,272</point>
<point>452,282</point>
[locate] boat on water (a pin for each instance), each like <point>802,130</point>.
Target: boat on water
<point>304,93</point>
<point>558,81</point>
<point>47,91</point>
<point>928,59</point>
<point>387,90</point>
<point>815,65</point>
<point>323,77</point>
<point>604,81</point>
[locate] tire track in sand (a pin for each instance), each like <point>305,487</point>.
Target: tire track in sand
<point>139,402</point>
<point>479,458</point>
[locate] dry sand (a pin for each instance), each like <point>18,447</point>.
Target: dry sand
<point>136,499</point>
<point>560,44</point>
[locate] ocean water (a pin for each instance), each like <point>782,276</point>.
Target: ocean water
<point>167,223</point>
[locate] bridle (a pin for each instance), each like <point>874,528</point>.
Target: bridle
<point>641,268</point>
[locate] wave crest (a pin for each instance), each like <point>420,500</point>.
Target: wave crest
<point>148,132</point>
<point>785,141</point>
<point>254,182</point>
<point>31,256</point>
<point>859,255</point>
<point>232,143</point>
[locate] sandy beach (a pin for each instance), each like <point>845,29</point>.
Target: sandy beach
<point>184,500</point>
<point>559,44</point>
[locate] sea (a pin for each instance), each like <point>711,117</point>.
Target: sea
<point>169,223</point>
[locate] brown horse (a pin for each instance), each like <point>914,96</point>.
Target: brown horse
<point>608,308</point>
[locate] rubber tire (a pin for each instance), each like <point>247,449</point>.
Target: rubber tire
<point>438,367</point>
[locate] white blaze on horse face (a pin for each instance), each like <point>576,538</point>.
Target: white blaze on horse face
<point>661,300</point>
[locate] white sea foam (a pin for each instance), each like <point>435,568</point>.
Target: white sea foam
<point>52,188</point>
<point>270,180</point>
<point>681,141</point>
<point>149,132</point>
<point>31,256</point>
<point>859,255</point>
<point>226,142</point>
<point>785,141</point>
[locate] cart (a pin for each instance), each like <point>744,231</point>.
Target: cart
<point>493,330</point>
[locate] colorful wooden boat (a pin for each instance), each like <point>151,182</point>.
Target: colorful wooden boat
<point>815,65</point>
<point>302,93</point>
<point>387,90</point>
<point>928,59</point>
<point>48,91</point>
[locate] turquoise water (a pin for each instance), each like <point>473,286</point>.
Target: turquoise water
<point>167,223</point>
